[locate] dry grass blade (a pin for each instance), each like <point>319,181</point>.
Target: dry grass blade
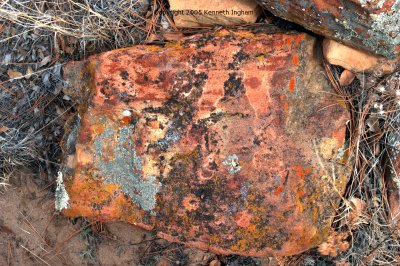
<point>94,20</point>
<point>42,261</point>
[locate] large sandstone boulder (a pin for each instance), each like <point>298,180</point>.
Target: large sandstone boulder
<point>226,141</point>
<point>370,25</point>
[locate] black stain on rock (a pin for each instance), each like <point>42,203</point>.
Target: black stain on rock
<point>233,87</point>
<point>124,75</point>
<point>238,58</point>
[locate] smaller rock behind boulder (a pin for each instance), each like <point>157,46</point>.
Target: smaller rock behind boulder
<point>368,25</point>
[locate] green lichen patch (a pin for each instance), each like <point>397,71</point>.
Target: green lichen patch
<point>125,168</point>
<point>386,27</point>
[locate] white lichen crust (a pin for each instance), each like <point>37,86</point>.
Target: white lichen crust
<point>62,197</point>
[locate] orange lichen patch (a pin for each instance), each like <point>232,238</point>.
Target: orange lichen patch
<point>299,204</point>
<point>173,44</point>
<point>299,38</point>
<point>301,172</point>
<point>291,84</point>
<point>295,60</point>
<point>125,121</point>
<point>87,197</point>
<point>289,40</point>
<point>192,140</point>
<point>285,106</point>
<point>241,245</point>
<point>246,34</point>
<point>278,190</point>
<point>97,128</point>
<point>294,39</point>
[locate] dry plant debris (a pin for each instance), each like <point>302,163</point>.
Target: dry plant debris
<point>117,23</point>
<point>373,102</point>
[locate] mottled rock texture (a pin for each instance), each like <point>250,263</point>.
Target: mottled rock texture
<point>370,25</point>
<point>226,141</point>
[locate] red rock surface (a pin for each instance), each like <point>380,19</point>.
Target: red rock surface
<point>226,141</point>
<point>370,25</point>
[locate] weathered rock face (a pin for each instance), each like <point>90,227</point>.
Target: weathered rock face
<point>226,141</point>
<point>197,13</point>
<point>370,25</point>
